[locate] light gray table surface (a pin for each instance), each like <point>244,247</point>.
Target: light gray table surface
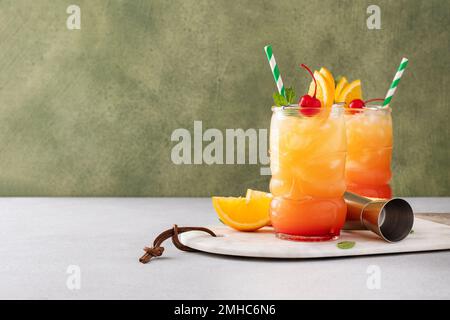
<point>41,237</point>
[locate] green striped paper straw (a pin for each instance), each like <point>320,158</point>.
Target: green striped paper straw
<point>275,70</point>
<point>395,82</point>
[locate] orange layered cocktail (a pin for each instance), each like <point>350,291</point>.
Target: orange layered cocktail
<point>369,151</point>
<point>307,154</point>
<point>321,144</point>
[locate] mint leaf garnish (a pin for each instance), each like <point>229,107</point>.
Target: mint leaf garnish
<point>346,244</point>
<point>280,100</point>
<point>290,95</point>
<point>412,231</point>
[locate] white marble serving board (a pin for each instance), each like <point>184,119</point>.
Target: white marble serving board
<point>427,236</point>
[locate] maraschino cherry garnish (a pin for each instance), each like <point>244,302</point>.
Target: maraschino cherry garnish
<point>359,104</point>
<point>309,106</point>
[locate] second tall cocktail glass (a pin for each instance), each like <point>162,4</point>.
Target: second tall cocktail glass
<point>307,154</point>
<point>369,143</point>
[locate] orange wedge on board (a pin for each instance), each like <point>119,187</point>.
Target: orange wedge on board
<point>244,214</point>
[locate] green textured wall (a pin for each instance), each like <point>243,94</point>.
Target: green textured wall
<point>91,111</point>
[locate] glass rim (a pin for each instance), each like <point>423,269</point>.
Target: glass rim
<point>370,107</point>
<point>296,107</point>
<point>337,105</point>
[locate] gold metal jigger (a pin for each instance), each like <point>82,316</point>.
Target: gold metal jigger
<point>391,219</point>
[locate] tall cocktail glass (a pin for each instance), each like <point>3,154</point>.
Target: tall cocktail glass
<point>307,160</point>
<point>369,145</point>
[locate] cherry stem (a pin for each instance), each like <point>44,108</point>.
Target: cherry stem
<point>371,100</point>
<point>312,75</point>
